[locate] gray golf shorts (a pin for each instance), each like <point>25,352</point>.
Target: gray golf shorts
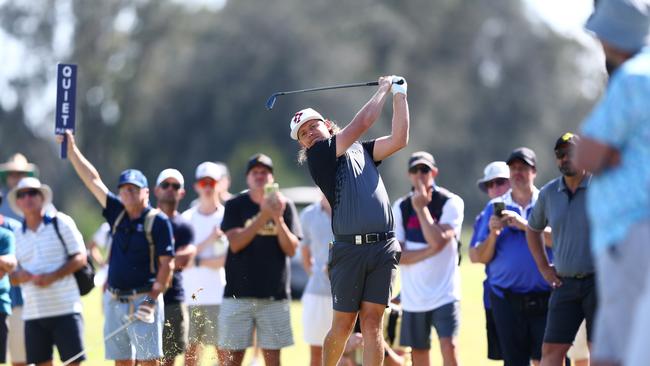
<point>362,272</point>
<point>416,326</point>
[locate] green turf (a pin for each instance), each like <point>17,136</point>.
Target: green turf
<point>472,344</point>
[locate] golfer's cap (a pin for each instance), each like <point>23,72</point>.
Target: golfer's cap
<point>625,24</point>
<point>494,170</point>
<point>422,158</point>
<point>300,118</point>
<point>259,159</point>
<point>208,169</point>
<point>567,138</point>
<point>524,154</point>
<point>170,173</point>
<point>133,176</point>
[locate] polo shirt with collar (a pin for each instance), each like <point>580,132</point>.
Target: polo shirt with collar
<point>129,264</point>
<point>512,268</point>
<point>40,252</point>
<point>566,214</point>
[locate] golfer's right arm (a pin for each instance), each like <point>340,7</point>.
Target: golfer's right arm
<point>86,171</point>
<point>365,118</point>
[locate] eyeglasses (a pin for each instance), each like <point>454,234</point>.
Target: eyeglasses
<point>207,182</point>
<point>27,192</point>
<point>420,168</point>
<point>562,153</point>
<point>175,186</point>
<point>496,183</point>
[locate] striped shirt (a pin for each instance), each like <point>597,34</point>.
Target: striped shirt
<point>40,252</point>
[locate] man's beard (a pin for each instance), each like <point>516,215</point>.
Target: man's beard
<point>568,170</point>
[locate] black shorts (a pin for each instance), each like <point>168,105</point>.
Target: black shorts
<point>362,272</point>
<point>65,332</point>
<point>4,331</point>
<point>568,306</point>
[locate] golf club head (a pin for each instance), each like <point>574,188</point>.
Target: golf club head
<point>271,102</point>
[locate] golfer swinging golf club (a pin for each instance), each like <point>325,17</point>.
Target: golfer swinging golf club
<point>364,256</point>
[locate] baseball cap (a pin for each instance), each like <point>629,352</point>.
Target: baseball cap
<point>170,173</point>
<point>494,170</point>
<point>422,157</point>
<point>299,119</point>
<point>625,24</point>
<point>567,138</point>
<point>259,159</point>
<point>133,176</point>
<point>208,169</point>
<point>524,154</point>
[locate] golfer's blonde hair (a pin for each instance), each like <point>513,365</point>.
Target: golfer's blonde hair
<point>333,129</point>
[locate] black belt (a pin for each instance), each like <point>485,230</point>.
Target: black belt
<point>365,238</point>
<point>577,276</point>
<point>130,292</point>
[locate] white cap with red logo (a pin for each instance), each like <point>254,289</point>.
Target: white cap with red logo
<point>300,118</point>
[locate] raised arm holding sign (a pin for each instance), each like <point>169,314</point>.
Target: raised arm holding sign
<point>66,90</point>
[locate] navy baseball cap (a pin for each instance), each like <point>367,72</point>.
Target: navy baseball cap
<point>524,154</point>
<point>568,138</point>
<point>259,159</point>
<point>133,176</point>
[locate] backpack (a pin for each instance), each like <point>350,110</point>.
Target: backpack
<point>438,200</point>
<point>85,276</point>
<point>148,226</point>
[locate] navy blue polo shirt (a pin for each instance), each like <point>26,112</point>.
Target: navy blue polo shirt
<point>183,235</point>
<point>129,258</point>
<point>512,268</point>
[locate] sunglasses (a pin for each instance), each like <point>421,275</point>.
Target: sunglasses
<point>27,192</point>
<point>203,183</point>
<point>420,168</point>
<point>562,153</point>
<point>175,186</point>
<point>496,183</point>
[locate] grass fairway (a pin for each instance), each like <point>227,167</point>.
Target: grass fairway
<point>472,344</point>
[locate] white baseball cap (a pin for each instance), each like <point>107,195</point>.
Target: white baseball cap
<point>208,169</point>
<point>300,118</point>
<point>170,173</point>
<point>494,170</point>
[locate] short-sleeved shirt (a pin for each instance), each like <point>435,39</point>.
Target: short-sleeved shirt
<point>566,214</point>
<point>619,196</point>
<point>260,270</point>
<point>434,281</point>
<point>183,236</point>
<point>41,251</point>
<point>352,185</point>
<point>512,268</point>
<point>15,293</point>
<point>7,247</point>
<point>129,263</point>
<point>204,285</point>
<point>316,226</point>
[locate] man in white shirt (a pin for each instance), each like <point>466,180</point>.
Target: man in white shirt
<point>203,282</point>
<point>49,250</point>
<point>427,224</point>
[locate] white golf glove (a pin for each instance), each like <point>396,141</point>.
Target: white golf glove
<point>145,312</point>
<point>398,88</point>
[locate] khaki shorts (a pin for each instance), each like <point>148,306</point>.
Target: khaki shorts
<point>271,320</point>
<point>622,277</point>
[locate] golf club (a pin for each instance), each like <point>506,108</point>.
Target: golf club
<point>271,102</point>
<point>108,336</point>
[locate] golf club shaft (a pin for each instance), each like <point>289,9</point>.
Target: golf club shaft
<point>371,83</point>
<point>108,336</point>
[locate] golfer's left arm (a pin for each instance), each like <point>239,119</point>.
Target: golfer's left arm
<point>399,136</point>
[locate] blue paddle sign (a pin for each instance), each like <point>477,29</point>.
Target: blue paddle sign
<point>66,91</point>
